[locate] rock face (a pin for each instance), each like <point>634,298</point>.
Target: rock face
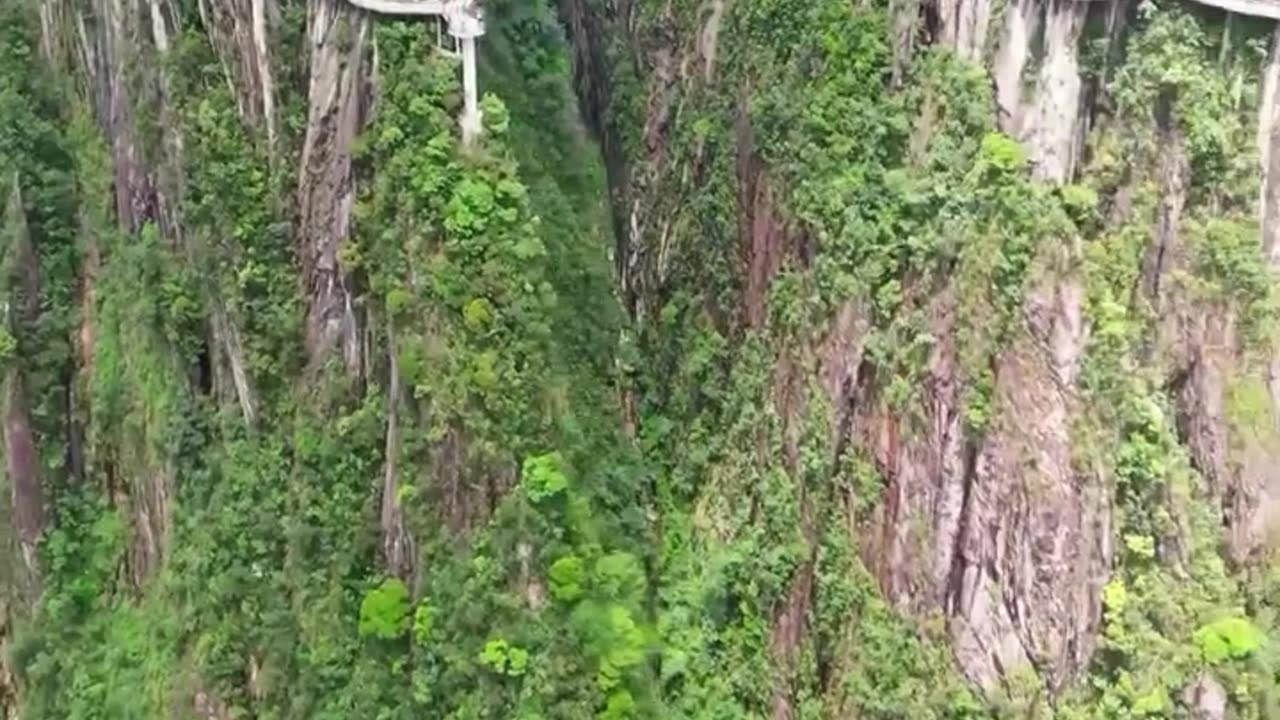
<point>1268,513</point>
<point>1053,127</point>
<point>822,448</point>
<point>19,298</point>
<point>964,25</point>
<point>1207,699</point>
<point>1005,535</point>
<point>1047,115</point>
<point>338,106</point>
<point>1268,145</point>
<point>238,30</point>
<point>927,474</point>
<point>1033,550</point>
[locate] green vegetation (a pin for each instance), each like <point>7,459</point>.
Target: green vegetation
<point>699,510</point>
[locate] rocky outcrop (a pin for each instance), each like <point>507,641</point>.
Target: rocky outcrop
<point>766,241</point>
<point>1021,23</point>
<point>397,542</point>
<point>1003,534</point>
<point>1207,698</point>
<point>1047,115</point>
<point>963,26</point>
<point>992,526</point>
<point>1033,549</point>
<point>132,39</point>
<point>926,467</point>
<point>137,201</point>
<point>238,31</point>
<point>1269,212</point>
<point>19,305</point>
<point>1167,252</point>
<point>840,368</point>
<point>1202,348</point>
<point>337,109</point>
<point>1052,131</point>
<point>585,23</point>
<point>1269,152</point>
<point>787,635</point>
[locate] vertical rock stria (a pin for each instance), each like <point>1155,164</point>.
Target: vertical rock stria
<point>337,109</point>
<point>19,303</point>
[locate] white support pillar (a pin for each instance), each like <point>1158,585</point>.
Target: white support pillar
<point>466,23</point>
<point>472,124</point>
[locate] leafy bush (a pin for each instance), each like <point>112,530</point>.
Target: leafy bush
<point>1001,154</point>
<point>566,576</point>
<point>384,613</point>
<point>1231,638</point>
<point>423,623</point>
<point>8,346</point>
<point>543,477</point>
<point>503,658</point>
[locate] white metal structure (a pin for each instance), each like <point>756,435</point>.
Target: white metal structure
<point>1256,8</point>
<point>465,20</point>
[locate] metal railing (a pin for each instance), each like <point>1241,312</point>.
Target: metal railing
<point>1256,8</point>
<point>465,21</point>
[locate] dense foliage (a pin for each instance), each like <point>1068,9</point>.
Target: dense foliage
<point>603,516</point>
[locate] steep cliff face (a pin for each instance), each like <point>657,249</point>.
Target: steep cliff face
<point>933,373</point>
<point>1003,494</point>
<point>337,109</point>
<point>26,501</point>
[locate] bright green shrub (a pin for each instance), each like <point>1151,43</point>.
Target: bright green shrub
<point>384,613</point>
<point>1232,638</point>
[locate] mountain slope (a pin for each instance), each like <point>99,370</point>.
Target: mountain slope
<point>934,376</point>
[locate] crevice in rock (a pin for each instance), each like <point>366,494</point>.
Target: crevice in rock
<point>955,573</point>
<point>585,28</point>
